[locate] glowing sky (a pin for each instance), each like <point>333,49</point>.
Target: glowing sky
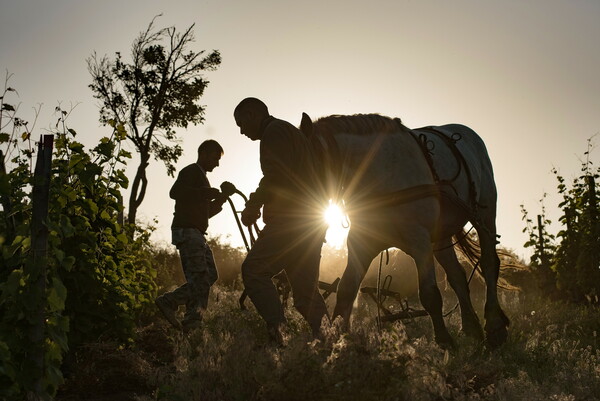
<point>524,74</point>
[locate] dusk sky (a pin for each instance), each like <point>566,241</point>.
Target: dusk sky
<point>525,75</point>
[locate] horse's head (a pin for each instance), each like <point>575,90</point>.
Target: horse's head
<point>326,156</point>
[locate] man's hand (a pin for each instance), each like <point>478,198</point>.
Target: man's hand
<point>212,193</point>
<point>227,188</point>
<point>250,215</point>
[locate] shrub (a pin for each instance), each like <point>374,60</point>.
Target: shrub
<point>575,258</point>
<point>97,273</point>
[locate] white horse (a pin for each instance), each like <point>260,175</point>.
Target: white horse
<point>414,190</point>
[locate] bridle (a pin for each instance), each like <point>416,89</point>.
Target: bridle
<point>331,166</point>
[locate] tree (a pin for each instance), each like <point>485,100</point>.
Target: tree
<point>152,96</point>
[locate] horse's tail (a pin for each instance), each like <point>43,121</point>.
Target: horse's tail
<point>468,245</point>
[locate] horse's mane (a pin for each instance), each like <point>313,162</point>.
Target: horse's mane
<point>358,124</point>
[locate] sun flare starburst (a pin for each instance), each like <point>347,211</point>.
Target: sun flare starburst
<point>338,227</point>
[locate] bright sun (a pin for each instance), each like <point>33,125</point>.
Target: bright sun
<point>338,230</point>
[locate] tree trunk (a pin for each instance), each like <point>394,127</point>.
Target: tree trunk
<point>138,189</point>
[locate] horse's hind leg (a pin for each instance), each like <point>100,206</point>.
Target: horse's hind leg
<point>422,252</point>
<point>496,322</point>
<point>457,278</point>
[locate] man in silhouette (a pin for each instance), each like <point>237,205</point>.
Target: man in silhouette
<point>294,228</point>
<point>195,202</point>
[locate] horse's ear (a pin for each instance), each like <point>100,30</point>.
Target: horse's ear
<point>306,125</point>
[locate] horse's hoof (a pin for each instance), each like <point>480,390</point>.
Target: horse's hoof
<point>342,324</point>
<point>497,332</point>
<point>473,331</point>
<point>445,341</point>
<point>495,338</point>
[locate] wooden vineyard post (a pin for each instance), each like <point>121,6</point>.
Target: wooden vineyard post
<point>592,198</point>
<point>541,250</point>
<point>39,251</point>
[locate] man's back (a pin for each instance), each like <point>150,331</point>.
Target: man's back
<point>192,208</point>
<point>288,170</point>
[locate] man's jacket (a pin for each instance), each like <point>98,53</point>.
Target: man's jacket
<point>193,207</point>
<point>289,188</point>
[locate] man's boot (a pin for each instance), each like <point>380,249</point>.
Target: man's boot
<point>168,310</point>
<point>275,335</point>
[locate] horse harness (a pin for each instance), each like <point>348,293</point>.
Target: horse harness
<point>445,186</point>
<point>328,155</point>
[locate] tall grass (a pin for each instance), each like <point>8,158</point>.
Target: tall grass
<point>551,354</point>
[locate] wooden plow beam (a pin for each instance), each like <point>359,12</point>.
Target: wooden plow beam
<point>385,293</point>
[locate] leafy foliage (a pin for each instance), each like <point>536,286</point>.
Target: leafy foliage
<point>543,244</point>
<point>98,273</point>
<point>109,273</point>
<point>152,96</point>
<point>575,258</point>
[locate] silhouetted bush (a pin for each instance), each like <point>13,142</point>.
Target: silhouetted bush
<point>569,263</point>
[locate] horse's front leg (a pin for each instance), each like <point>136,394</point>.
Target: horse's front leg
<point>360,255</point>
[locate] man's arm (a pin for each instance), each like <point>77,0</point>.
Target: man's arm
<point>186,186</point>
<point>274,148</point>
<point>216,205</point>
